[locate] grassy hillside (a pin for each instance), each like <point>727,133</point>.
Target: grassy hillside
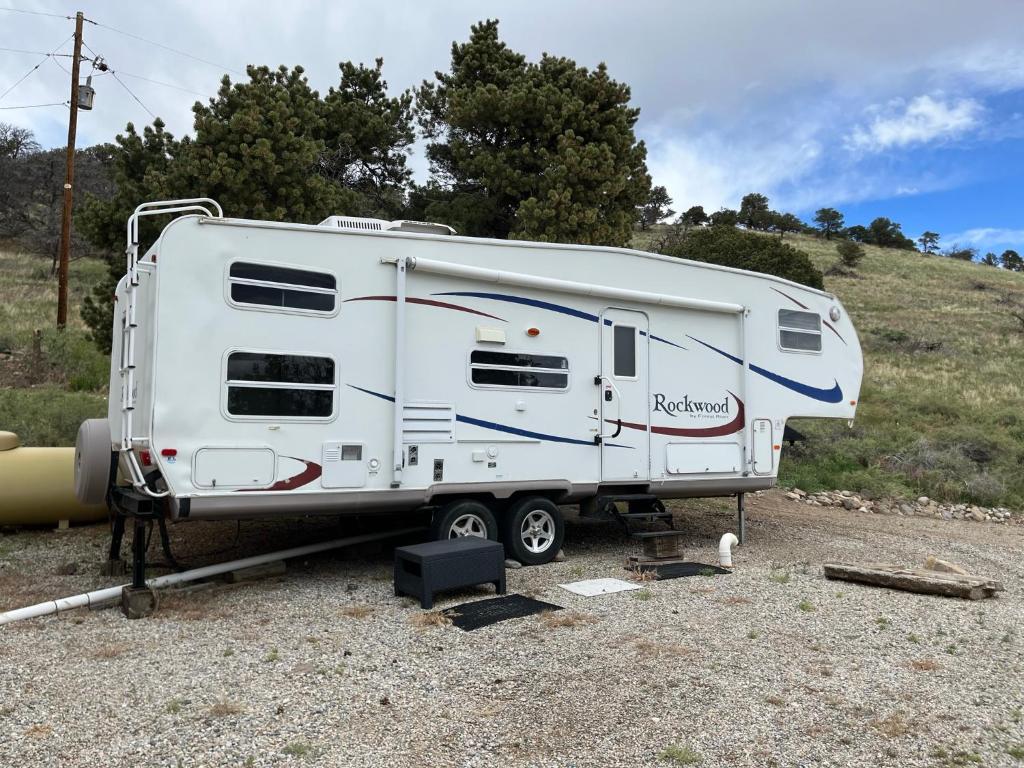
<point>49,383</point>
<point>941,411</point>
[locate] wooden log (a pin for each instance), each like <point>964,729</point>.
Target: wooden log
<point>933,563</point>
<point>915,580</point>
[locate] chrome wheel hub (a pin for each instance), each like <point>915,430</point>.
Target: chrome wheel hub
<point>537,531</point>
<point>468,525</point>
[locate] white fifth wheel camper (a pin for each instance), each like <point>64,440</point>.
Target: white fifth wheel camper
<point>362,365</point>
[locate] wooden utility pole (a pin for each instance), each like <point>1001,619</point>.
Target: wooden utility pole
<point>65,225</point>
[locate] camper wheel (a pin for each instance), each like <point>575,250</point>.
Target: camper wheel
<point>464,517</point>
<point>534,530</point>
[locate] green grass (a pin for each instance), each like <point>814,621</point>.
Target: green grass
<point>48,415</point>
<point>48,384</point>
<point>939,412</point>
<point>678,755</point>
<point>298,749</point>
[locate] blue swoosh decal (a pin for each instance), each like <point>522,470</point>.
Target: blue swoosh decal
<point>504,427</point>
<point>833,395</point>
<point>528,302</point>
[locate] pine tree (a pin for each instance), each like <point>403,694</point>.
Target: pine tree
<point>540,151</point>
<point>139,169</point>
<point>829,221</point>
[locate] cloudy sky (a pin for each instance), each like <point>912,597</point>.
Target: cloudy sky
<point>910,109</point>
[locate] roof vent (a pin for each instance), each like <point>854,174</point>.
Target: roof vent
<point>379,225</point>
<point>353,222</point>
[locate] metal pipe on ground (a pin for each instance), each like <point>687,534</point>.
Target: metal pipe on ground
<point>99,596</point>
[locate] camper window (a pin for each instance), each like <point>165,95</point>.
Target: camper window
<point>271,286</point>
<point>799,331</point>
<point>289,386</point>
<point>518,370</point>
<point>624,351</point>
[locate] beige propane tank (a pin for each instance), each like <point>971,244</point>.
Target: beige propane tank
<point>37,486</point>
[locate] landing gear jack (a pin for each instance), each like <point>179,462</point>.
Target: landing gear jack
<point>137,600</point>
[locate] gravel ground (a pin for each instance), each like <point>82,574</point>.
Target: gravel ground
<point>771,665</point>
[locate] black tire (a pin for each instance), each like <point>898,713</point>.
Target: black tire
<point>533,530</point>
<point>464,517</point>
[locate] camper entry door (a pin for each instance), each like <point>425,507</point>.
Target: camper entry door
<point>624,401</point>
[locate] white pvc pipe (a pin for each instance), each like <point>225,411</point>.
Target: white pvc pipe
<point>98,596</point>
<point>725,546</point>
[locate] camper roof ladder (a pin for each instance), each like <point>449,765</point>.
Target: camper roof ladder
<point>129,324</point>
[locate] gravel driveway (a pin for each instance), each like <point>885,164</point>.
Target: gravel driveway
<point>769,666</point>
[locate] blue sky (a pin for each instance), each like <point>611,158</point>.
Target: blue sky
<point>912,110</point>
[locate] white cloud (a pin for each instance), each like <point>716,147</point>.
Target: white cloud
<point>987,237</point>
<point>923,119</point>
<point>715,172</point>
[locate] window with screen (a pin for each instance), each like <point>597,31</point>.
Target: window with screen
<point>272,287</point>
<point>518,370</point>
<point>624,351</point>
<point>799,331</point>
<point>260,384</point>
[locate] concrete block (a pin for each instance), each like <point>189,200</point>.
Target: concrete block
<point>137,603</point>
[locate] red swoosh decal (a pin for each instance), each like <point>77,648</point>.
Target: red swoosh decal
<point>804,306</point>
<point>724,429</point>
<point>429,303</point>
<point>308,475</point>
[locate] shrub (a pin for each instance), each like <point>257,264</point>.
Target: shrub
<point>745,250</point>
<point>850,253</point>
<point>47,416</point>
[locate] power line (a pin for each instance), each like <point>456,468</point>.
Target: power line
<point>38,53</point>
<point>36,13</point>
<point>130,93</point>
<point>66,70</point>
<point>34,106</point>
<point>37,66</point>
<point>158,82</point>
<point>168,48</point>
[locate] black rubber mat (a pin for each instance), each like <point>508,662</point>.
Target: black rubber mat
<point>678,570</point>
<point>483,613</point>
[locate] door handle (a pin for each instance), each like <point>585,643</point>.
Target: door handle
<point>618,406</point>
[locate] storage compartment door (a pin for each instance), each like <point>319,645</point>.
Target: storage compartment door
<point>763,447</point>
<point>702,458</point>
<point>234,467</point>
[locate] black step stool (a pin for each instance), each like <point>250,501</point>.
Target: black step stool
<point>424,569</point>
